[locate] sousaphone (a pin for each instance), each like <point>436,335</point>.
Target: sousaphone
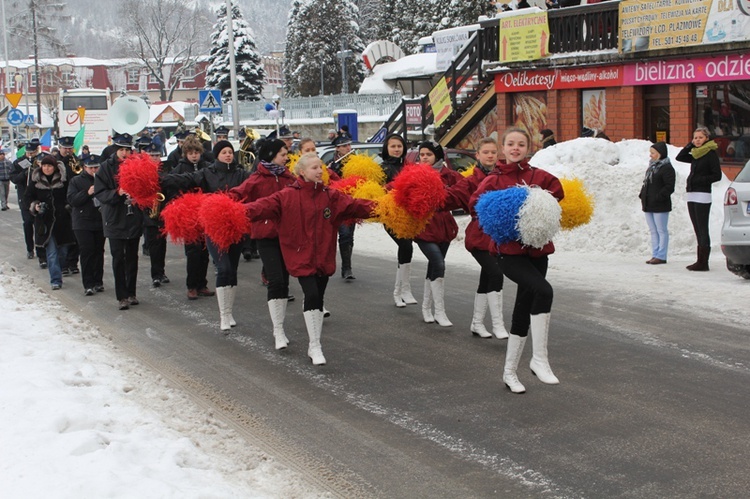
<point>128,115</point>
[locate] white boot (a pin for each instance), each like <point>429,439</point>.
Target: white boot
<point>512,358</point>
<point>427,303</point>
<point>326,312</point>
<point>477,320</point>
<point>277,308</point>
<point>406,295</point>
<point>397,290</point>
<point>314,323</point>
<point>222,295</point>
<point>539,363</point>
<point>231,293</point>
<point>495,303</point>
<point>438,298</point>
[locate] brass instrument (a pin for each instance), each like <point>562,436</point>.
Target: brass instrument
<point>75,165</point>
<point>157,205</point>
<point>245,157</point>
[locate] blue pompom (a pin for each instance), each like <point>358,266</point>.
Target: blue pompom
<point>498,213</point>
<point>269,106</point>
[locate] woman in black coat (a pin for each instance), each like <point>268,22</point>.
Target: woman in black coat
<point>656,200</point>
<point>46,200</point>
<point>88,228</point>
<point>705,169</point>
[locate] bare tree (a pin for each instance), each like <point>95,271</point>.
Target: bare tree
<point>167,37</point>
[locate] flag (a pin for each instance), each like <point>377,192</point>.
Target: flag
<point>46,140</point>
<point>21,152</point>
<point>78,141</point>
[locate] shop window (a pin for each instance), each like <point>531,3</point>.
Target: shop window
<point>724,108</point>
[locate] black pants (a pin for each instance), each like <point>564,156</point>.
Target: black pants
<point>435,253</point>
<point>74,253</point>
<point>534,294</point>
<point>405,248</point>
<point>157,250</point>
<point>28,235</point>
<point>491,275</point>
<point>91,247</point>
<point>699,213</point>
<point>125,266</point>
<point>226,263</point>
<point>274,268</point>
<point>197,265</point>
<point>314,289</point>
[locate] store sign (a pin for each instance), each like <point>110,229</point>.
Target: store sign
<point>557,79</point>
<point>524,37</point>
<point>704,69</point>
<point>413,113</point>
<point>440,101</point>
<point>663,24</point>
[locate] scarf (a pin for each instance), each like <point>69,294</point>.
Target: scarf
<point>275,169</point>
<point>438,165</point>
<point>653,167</point>
<point>699,152</point>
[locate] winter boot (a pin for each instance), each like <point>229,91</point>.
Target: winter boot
<point>438,298</point>
<point>346,261</point>
<point>539,363</point>
<point>222,297</point>
<point>314,323</point>
<point>231,293</point>
<point>512,358</point>
<point>477,320</point>
<point>427,303</point>
<point>277,308</point>
<point>397,290</point>
<point>495,303</point>
<point>406,295</point>
<point>702,264</point>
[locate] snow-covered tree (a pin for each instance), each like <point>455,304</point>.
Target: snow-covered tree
<point>316,29</point>
<point>250,72</point>
<point>369,14</point>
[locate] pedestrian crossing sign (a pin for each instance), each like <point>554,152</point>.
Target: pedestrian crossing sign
<point>209,101</point>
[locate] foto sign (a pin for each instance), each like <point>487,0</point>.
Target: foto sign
<point>413,113</point>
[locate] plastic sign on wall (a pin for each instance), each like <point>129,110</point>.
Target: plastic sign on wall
<point>440,101</point>
<point>524,37</point>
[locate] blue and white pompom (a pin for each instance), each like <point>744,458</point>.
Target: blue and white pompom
<point>529,215</point>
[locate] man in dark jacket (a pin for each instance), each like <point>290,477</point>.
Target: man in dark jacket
<point>123,222</point>
<point>20,177</point>
<point>67,157</point>
<point>87,227</point>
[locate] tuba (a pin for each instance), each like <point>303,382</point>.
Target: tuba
<point>75,165</point>
<point>128,115</point>
<point>245,157</point>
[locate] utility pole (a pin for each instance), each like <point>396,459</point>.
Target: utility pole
<point>344,54</point>
<point>232,71</point>
<point>12,144</point>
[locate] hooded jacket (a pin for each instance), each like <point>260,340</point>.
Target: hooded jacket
<point>442,227</point>
<point>458,197</point>
<point>308,216</point>
<point>392,165</point>
<point>657,189</point>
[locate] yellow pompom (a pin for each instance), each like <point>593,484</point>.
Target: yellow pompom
<point>362,165</point>
<point>326,175</point>
<point>291,160</point>
<point>469,171</point>
<point>577,205</point>
<point>397,219</point>
<point>368,190</point>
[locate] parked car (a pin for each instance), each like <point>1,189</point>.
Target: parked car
<point>371,149</point>
<point>735,233</point>
<point>455,159</point>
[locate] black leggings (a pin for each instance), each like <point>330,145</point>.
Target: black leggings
<point>491,275</point>
<point>405,248</point>
<point>534,294</point>
<point>274,268</point>
<point>226,263</point>
<point>314,288</point>
<point>699,213</point>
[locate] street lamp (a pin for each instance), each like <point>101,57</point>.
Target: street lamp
<point>321,54</point>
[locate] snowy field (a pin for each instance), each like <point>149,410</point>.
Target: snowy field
<point>88,421</point>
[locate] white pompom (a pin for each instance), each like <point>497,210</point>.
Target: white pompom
<point>539,218</point>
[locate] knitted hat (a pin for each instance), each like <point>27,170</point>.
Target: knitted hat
<point>49,160</point>
<point>269,149</point>
<point>220,145</point>
<point>546,133</point>
<point>436,149</point>
<point>661,148</point>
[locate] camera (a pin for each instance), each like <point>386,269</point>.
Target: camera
<point>42,208</point>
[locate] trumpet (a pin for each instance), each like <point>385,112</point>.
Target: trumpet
<point>157,205</point>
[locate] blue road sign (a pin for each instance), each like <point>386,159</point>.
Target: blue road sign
<point>29,120</point>
<point>15,117</point>
<point>209,101</point>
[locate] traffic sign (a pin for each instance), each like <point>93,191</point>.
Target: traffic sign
<point>15,117</point>
<point>209,101</point>
<point>29,120</point>
<point>14,98</point>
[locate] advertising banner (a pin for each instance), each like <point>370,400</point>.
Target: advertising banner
<point>557,79</point>
<point>703,69</point>
<point>524,37</point>
<point>448,43</point>
<point>662,24</point>
<point>440,101</point>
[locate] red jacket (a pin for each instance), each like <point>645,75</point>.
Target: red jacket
<point>458,197</point>
<point>442,227</point>
<point>518,174</point>
<point>259,185</point>
<point>308,216</point>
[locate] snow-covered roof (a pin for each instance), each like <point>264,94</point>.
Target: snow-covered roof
<point>85,62</point>
<point>383,77</point>
<point>179,107</point>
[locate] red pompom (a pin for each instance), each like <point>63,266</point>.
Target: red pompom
<point>139,177</point>
<point>419,190</point>
<point>224,220</point>
<point>347,185</point>
<point>181,221</point>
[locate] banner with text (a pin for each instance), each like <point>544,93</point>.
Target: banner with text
<point>524,37</point>
<point>440,101</point>
<point>448,43</point>
<point>557,79</point>
<point>662,24</point>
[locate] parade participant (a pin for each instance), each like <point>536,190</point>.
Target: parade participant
<point>176,154</point>
<point>705,169</point>
<point>489,292</point>
<point>304,212</point>
<point>123,222</point>
<point>393,156</point>
<point>436,238</point>
<point>284,134</point>
<point>343,144</point>
<point>196,253</point>
<point>6,169</point>
<point>20,177</point>
<point>222,175</point>
<point>67,156</point>
<point>87,227</point>
<point>222,133</point>
<point>46,199</point>
<point>656,200</point>
<point>155,242</point>
<point>524,265</point>
<point>271,176</point>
